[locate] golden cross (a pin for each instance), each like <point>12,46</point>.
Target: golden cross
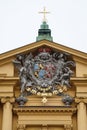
<point>44,12</point>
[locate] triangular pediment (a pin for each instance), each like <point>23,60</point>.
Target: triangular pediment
<point>52,86</point>
<point>78,55</point>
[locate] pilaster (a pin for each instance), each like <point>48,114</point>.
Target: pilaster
<point>81,113</point>
<point>7,113</point>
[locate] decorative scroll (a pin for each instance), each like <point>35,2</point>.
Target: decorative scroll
<point>21,127</point>
<point>68,127</point>
<point>45,73</point>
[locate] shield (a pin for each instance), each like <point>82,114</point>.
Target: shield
<point>46,72</point>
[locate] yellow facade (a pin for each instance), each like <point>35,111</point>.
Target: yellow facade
<point>36,115</point>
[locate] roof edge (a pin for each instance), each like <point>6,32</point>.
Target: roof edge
<point>40,43</point>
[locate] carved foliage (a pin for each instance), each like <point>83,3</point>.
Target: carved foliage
<point>67,127</point>
<point>21,127</point>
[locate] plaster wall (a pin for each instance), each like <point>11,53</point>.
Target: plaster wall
<point>81,69</point>
<point>7,69</point>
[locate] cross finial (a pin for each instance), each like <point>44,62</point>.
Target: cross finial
<point>44,12</point>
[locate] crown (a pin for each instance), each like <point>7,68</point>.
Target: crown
<point>44,50</point>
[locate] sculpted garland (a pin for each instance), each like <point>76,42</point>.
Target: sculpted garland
<point>45,73</point>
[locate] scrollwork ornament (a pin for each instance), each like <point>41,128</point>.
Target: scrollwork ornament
<point>67,127</point>
<point>67,100</point>
<point>21,127</point>
<point>81,99</point>
<point>8,99</point>
<point>46,72</point>
<point>21,100</point>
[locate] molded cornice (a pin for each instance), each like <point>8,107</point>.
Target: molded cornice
<point>44,109</point>
<point>78,55</point>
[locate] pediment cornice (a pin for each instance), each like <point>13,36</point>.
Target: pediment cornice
<point>77,55</point>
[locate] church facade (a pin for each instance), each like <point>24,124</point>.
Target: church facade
<point>43,86</point>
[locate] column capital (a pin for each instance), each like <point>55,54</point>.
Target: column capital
<point>67,127</point>
<point>44,127</point>
<point>81,112</point>
<point>80,99</point>
<point>21,127</point>
<point>7,99</point>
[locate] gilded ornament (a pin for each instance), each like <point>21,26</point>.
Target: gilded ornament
<point>47,72</point>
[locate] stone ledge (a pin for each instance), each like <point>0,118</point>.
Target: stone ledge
<point>44,109</point>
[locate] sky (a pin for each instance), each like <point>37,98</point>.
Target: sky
<point>20,21</point>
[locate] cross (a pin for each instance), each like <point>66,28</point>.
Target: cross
<point>44,12</point>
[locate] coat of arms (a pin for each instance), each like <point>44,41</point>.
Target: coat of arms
<point>45,72</point>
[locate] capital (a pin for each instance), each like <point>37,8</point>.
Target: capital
<point>80,99</point>
<point>7,99</point>
<point>67,127</point>
<point>21,127</point>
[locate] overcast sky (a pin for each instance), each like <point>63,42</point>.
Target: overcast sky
<point>20,21</point>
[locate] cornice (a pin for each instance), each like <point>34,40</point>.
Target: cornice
<point>3,77</point>
<point>8,80</point>
<point>44,109</point>
<point>57,46</point>
<point>68,50</point>
<point>79,80</point>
